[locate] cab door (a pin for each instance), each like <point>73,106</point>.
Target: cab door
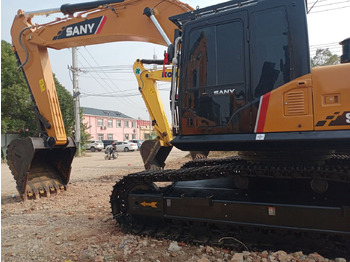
<point>214,82</point>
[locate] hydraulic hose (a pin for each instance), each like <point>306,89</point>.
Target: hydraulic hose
<point>24,48</point>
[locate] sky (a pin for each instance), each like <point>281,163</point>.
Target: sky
<point>107,82</point>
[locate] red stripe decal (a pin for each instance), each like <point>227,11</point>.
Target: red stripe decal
<point>262,113</point>
<point>101,24</point>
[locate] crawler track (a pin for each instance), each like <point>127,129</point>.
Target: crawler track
<point>337,168</point>
<point>237,236</point>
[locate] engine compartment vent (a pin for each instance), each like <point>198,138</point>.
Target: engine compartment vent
<point>294,102</point>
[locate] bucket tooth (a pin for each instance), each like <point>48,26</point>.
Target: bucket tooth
<point>54,188</point>
<point>30,193</point>
<point>36,194</point>
<point>47,191</point>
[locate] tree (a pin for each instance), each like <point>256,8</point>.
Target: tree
<point>324,57</point>
<point>84,135</point>
<point>67,107</point>
<point>16,104</point>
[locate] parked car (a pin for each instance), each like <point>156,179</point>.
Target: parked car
<point>108,142</point>
<point>126,146</point>
<point>138,142</point>
<point>94,145</point>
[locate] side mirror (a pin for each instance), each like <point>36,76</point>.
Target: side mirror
<point>171,52</point>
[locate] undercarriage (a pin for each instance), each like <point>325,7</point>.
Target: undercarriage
<point>242,204</point>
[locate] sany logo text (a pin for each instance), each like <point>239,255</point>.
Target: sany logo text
<point>224,92</point>
<point>347,118</point>
<point>86,27</point>
<point>79,30</point>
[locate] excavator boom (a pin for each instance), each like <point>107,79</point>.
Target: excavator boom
<point>35,160</point>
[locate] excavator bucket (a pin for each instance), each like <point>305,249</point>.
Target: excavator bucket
<point>40,170</point>
<point>154,154</point>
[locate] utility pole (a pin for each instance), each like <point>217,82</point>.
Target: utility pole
<point>76,100</point>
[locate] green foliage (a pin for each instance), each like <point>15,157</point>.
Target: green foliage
<point>84,135</point>
<point>67,106</point>
<point>324,57</point>
<point>16,104</point>
<point>153,134</point>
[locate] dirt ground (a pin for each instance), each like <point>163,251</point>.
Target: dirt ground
<point>77,225</point>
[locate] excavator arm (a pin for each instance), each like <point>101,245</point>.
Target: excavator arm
<point>154,152</point>
<point>85,24</point>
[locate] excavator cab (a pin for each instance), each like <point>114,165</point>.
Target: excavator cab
<point>40,170</point>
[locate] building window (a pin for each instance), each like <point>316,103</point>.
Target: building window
<point>119,123</point>
<point>100,137</point>
<point>126,123</point>
<point>133,124</point>
<point>99,122</point>
<point>126,136</point>
<point>110,123</point>
<point>133,136</point>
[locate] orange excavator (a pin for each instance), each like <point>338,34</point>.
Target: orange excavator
<point>240,81</point>
<point>41,165</point>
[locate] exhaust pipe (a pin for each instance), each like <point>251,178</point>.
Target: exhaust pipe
<point>345,58</point>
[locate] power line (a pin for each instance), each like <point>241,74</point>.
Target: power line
<point>321,7</point>
<point>110,94</point>
<point>334,47</point>
<point>102,74</point>
<point>333,3</point>
<point>93,77</point>
<point>120,95</point>
<point>326,2</point>
<point>113,83</point>
<point>312,6</point>
<point>327,44</point>
<point>322,1</point>
<point>326,10</point>
<point>114,79</point>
